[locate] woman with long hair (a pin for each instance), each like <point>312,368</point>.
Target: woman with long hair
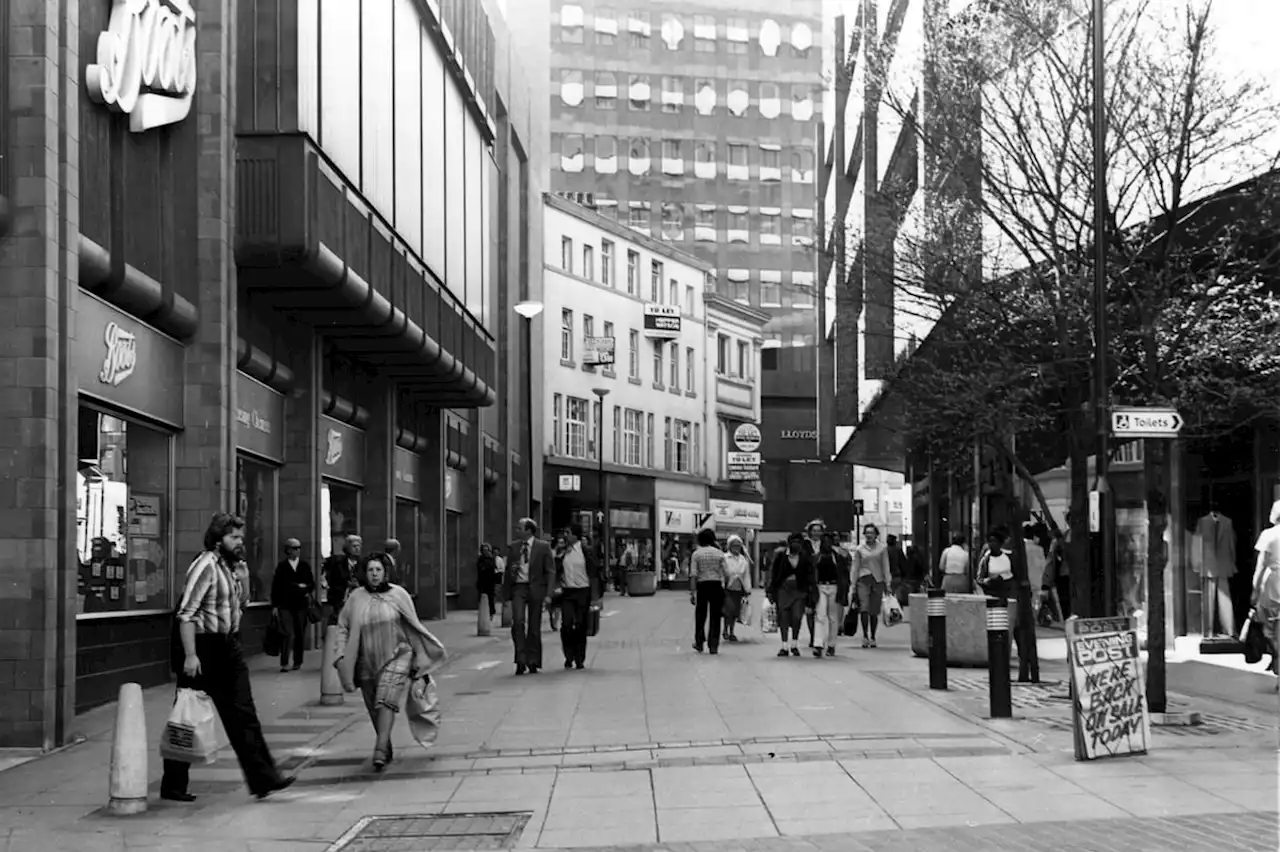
<point>871,568</point>
<point>792,590</point>
<point>384,649</point>
<point>737,585</point>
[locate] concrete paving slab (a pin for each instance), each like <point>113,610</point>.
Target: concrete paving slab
<point>728,823</point>
<point>596,837</point>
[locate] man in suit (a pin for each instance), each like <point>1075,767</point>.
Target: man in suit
<point>581,584</point>
<point>291,588</point>
<point>341,575</point>
<point>530,568</point>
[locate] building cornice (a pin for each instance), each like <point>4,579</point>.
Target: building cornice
<point>734,308</point>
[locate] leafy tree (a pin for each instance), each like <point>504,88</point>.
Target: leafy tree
<point>1000,247</point>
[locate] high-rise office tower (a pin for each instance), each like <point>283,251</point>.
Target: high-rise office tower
<point>696,122</point>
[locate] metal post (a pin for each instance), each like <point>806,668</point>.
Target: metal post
<point>1001,695</point>
<point>937,611</point>
<point>1100,379</point>
<point>602,484</point>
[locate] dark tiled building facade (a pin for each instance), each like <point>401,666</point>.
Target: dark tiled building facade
<point>276,279</point>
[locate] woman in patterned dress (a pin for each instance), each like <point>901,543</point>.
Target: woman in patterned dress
<point>384,649</point>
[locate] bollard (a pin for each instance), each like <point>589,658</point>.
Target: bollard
<point>998,658</point>
<point>129,754</point>
<point>937,610</point>
<point>330,683</point>
<point>482,617</point>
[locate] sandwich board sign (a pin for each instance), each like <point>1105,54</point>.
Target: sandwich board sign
<point>1109,715</point>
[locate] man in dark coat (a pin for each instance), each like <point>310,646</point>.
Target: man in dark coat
<point>291,588</point>
<point>341,575</point>
<point>531,568</point>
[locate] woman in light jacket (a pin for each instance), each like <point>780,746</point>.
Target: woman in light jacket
<point>384,649</point>
<point>871,570</point>
<point>737,585</point>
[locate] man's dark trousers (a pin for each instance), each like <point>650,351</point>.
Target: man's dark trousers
<point>574,606</point>
<point>526,625</point>
<point>710,605</point>
<point>294,624</point>
<point>225,677</point>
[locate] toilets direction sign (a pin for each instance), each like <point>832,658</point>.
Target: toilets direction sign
<point>1145,423</point>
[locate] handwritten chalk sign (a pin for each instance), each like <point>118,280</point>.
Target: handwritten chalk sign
<point>1109,703</point>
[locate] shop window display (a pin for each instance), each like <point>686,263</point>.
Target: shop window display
<point>256,503</point>
<point>122,515</point>
<point>339,516</point>
<point>407,533</point>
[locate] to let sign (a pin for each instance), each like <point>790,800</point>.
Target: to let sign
<point>743,466</point>
<point>661,321</point>
<point>1109,704</point>
<point>1145,423</point>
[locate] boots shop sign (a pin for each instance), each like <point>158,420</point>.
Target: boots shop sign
<point>145,65</point>
<point>127,363</point>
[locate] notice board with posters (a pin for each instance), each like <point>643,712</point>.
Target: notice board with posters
<point>1108,693</point>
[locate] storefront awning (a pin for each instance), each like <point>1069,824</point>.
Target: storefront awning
<point>308,247</point>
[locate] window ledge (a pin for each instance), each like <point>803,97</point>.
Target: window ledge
<point>675,391</point>
<point>569,364</point>
<point>634,381</point>
<point>589,368</point>
<point>659,386</point>
<point>691,394</point>
<point>609,374</point>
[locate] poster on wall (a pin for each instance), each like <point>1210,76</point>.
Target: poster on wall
<point>1109,702</point>
<point>144,515</point>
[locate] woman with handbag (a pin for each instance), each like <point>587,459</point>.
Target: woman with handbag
<point>385,649</point>
<point>792,588</point>
<point>291,588</point>
<point>737,585</point>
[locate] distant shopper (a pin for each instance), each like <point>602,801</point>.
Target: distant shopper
<point>291,588</point>
<point>208,621</point>
<point>832,571</point>
<point>487,576</point>
<point>793,590</point>
<point>953,567</point>
<point>530,569</point>
<point>813,533</point>
<point>995,568</point>
<point>1266,586</point>
<point>707,575</point>
<point>341,574</point>
<point>871,567</point>
<point>737,585</point>
<point>581,585</point>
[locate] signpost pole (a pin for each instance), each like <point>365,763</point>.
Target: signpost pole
<point>1001,695</point>
<point>937,610</point>
<point>601,482</point>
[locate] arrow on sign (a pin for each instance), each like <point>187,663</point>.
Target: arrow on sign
<point>1145,422</point>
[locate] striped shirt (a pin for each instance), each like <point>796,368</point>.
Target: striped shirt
<point>211,596</point>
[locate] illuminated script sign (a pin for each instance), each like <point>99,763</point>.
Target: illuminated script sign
<point>1109,704</point>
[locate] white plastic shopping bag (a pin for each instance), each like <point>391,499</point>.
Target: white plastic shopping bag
<point>890,611</point>
<point>769,617</point>
<point>191,733</point>
<point>745,612</point>
<point>423,709</point>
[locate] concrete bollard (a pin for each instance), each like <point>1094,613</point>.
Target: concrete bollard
<point>129,754</point>
<point>1000,692</point>
<point>330,684</point>
<point>482,617</point>
<point>937,612</point>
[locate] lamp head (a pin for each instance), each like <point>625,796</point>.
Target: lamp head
<point>600,392</point>
<point>528,310</point>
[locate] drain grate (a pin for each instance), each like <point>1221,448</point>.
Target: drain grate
<point>1037,696</point>
<point>432,832</point>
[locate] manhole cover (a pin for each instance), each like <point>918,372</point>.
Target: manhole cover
<point>431,832</point>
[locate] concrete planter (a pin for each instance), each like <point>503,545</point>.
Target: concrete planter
<point>966,628</point>
<point>642,583</point>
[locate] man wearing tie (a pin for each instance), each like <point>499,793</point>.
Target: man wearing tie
<point>530,567</point>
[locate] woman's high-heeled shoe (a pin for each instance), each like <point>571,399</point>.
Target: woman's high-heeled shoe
<point>379,760</point>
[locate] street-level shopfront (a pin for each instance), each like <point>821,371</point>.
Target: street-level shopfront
<point>342,462</point>
<point>459,564</point>
<point>130,380</point>
<point>573,494</point>
<point>259,433</point>
<point>407,476</point>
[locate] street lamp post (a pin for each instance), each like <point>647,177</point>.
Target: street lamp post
<point>602,484</point>
<point>1100,390</point>
<point>527,311</point>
